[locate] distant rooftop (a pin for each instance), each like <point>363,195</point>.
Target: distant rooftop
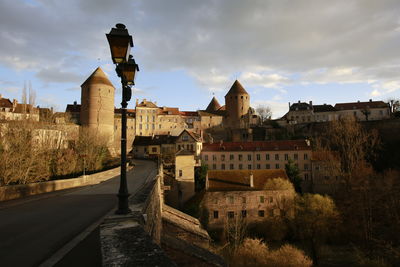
<point>258,146</point>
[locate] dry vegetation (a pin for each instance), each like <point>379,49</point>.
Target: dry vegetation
<point>31,153</point>
<point>254,252</point>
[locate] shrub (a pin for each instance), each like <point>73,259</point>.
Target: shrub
<point>253,252</point>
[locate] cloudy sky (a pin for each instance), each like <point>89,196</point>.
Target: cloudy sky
<point>281,51</point>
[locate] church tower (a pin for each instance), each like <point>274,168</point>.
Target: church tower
<point>237,104</point>
<point>97,105</point>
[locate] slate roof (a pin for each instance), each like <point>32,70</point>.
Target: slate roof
<point>361,105</point>
<point>97,77</point>
<point>236,89</point>
<point>258,146</point>
<point>300,106</point>
<point>323,108</point>
<point>73,108</point>
<point>213,106</point>
<point>146,104</point>
<point>154,140</point>
<point>238,180</point>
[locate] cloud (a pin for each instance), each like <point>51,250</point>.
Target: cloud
<point>269,44</point>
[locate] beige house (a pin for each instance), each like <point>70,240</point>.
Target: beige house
<point>184,175</point>
<point>364,111</point>
<point>146,118</point>
<point>189,141</point>
<point>243,194</point>
<point>262,155</point>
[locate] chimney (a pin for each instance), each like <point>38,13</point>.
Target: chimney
<point>370,100</point>
<point>251,180</point>
<point>137,101</point>
<point>15,102</point>
<point>207,183</point>
<point>75,103</point>
<point>289,105</point>
<point>299,102</point>
<point>144,101</point>
<point>311,103</point>
<point>1,96</point>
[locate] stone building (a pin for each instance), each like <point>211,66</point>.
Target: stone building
<point>364,111</point>
<point>243,194</point>
<point>97,105</point>
<point>14,111</point>
<point>260,155</point>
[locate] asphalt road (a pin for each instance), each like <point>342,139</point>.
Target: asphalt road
<point>32,229</point>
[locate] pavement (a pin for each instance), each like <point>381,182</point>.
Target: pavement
<point>34,228</point>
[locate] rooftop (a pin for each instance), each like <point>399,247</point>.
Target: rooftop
<point>239,180</point>
<point>236,89</point>
<point>361,105</point>
<point>258,146</point>
<point>97,77</point>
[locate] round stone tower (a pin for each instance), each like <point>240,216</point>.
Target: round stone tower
<point>97,105</point>
<point>237,104</point>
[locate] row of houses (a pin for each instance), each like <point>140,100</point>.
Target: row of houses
<point>303,112</point>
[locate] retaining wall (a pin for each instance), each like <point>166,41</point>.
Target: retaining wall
<point>19,191</point>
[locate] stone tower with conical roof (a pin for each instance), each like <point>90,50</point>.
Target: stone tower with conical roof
<point>97,105</point>
<point>213,106</point>
<point>237,104</point>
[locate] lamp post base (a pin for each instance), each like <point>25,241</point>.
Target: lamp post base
<point>123,205</point>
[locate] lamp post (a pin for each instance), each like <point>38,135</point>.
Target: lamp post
<point>120,44</point>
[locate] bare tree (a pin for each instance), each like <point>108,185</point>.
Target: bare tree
<point>264,112</point>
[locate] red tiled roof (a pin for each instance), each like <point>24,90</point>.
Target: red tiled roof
<point>189,113</point>
<point>361,105</point>
<point>5,103</point>
<point>240,179</point>
<point>168,111</point>
<point>258,146</point>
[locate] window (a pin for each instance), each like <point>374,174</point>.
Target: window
<point>185,138</point>
<point>305,166</point>
<point>305,156</point>
<point>258,166</point>
<point>153,149</point>
<point>214,157</point>
<point>276,166</point>
<point>215,214</point>
<point>271,213</point>
<point>231,214</point>
<point>286,157</point>
<point>231,166</point>
<point>222,166</point>
<point>222,157</point>
<point>214,166</point>
<point>276,156</point>
<point>180,173</point>
<point>258,156</point>
<point>267,166</point>
<point>244,213</point>
<point>249,166</point>
<point>306,176</point>
<point>231,156</point>
<point>249,157</point>
<point>296,156</point>
<point>262,199</point>
<point>261,213</point>
<point>271,200</point>
<point>243,200</point>
<point>140,126</point>
<point>267,156</point>
<point>230,199</point>
<point>206,157</point>
<point>240,166</point>
<point>240,156</point>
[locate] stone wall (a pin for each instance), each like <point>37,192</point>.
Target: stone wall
<point>18,191</point>
<point>152,210</point>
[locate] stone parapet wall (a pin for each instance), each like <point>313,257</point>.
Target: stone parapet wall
<point>19,191</point>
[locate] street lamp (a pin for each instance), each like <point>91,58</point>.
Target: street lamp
<point>120,44</point>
